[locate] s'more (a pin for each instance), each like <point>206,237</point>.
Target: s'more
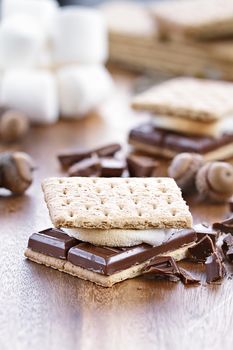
<point>187,115</point>
<point>107,230</point>
<point>194,19</point>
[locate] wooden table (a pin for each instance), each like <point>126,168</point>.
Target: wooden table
<point>45,309</point>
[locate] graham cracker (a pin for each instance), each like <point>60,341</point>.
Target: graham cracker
<point>102,280</point>
<point>190,98</point>
<point>105,203</point>
<point>194,19</point>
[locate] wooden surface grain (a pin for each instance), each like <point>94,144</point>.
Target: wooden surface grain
<point>45,309</point>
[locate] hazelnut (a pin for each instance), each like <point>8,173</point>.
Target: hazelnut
<point>183,169</point>
<point>214,181</point>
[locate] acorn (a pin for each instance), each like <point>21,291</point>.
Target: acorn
<point>16,171</point>
<point>183,169</point>
<point>214,181</point>
<point>13,125</point>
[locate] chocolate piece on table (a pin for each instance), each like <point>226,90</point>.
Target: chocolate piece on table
<point>214,268</point>
<point>107,261</point>
<point>70,157</point>
<point>227,247</point>
<point>52,242</point>
<point>111,167</point>
<point>165,266</point>
<point>86,167</point>
<point>204,229</point>
<point>202,249</point>
<point>141,166</point>
<point>187,278</point>
<point>225,226</point>
<point>166,143</point>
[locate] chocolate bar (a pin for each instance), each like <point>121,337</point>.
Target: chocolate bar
<point>52,242</point>
<point>225,226</point>
<point>202,249</point>
<point>160,141</point>
<point>71,157</point>
<point>141,166</point>
<point>214,268</point>
<point>103,260</point>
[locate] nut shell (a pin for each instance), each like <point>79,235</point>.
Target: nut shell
<point>214,181</point>
<point>183,169</point>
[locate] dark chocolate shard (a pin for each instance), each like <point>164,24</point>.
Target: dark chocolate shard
<point>87,167</point>
<point>225,226</point>
<point>111,167</point>
<point>71,157</point>
<point>214,268</point>
<point>227,247</point>
<point>52,242</point>
<point>141,166</point>
<point>166,267</point>
<point>187,278</point>
<point>202,249</point>
<point>204,229</point>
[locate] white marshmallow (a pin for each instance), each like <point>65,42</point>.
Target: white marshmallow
<point>21,41</point>
<point>42,11</point>
<point>120,238</point>
<point>80,36</point>
<point>33,92</point>
<point>82,88</point>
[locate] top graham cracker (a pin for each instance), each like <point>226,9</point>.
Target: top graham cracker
<point>105,203</point>
<point>191,98</point>
<point>197,19</point>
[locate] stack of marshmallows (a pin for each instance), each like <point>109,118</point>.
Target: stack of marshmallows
<point>52,59</point>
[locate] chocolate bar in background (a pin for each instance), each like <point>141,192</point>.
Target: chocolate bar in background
<point>70,157</point>
<point>152,140</point>
<point>225,226</point>
<point>86,167</point>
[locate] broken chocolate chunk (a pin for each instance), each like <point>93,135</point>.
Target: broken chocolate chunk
<point>71,157</point>
<point>166,267</point>
<point>186,277</point>
<point>141,166</point>
<point>204,229</point>
<point>111,167</point>
<point>227,247</point>
<point>202,249</point>
<point>225,226</point>
<point>86,167</point>
<point>214,268</point>
<point>231,205</point>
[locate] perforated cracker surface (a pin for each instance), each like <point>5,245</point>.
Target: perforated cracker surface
<point>190,98</point>
<point>106,203</point>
